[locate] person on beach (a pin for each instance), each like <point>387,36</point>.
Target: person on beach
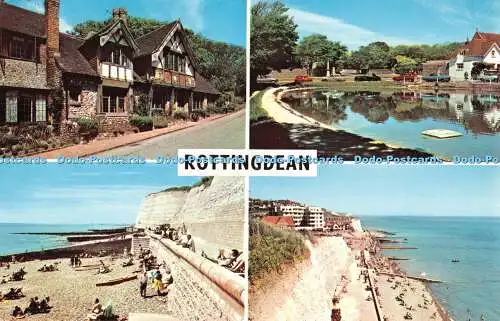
<point>143,283</point>
<point>18,312</point>
<point>44,305</point>
<point>239,264</point>
<point>158,284</point>
<point>32,307</point>
<point>167,280</point>
<point>97,308</point>
<point>189,243</point>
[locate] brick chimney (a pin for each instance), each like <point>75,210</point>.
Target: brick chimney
<point>52,29</point>
<point>119,13</point>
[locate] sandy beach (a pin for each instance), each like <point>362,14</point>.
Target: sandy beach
<point>398,298</point>
<point>72,292</point>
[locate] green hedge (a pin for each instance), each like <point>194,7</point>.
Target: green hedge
<point>88,126</point>
<point>143,123</point>
<point>200,112</point>
<point>160,121</point>
<point>182,115</point>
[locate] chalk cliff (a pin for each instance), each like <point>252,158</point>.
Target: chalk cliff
<point>213,214</point>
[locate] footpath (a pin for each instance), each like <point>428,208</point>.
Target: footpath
<point>100,146</point>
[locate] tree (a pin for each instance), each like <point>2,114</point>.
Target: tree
<point>272,38</point>
<point>317,48</point>
<point>357,61</point>
<point>404,64</point>
<point>312,49</point>
<point>376,54</point>
<point>138,26</point>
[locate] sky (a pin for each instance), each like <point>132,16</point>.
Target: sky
<point>391,190</point>
<point>77,194</point>
<point>222,20</point>
<point>359,22</point>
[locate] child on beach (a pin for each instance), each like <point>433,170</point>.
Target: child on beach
<point>158,284</point>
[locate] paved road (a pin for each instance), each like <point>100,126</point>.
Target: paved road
<point>226,132</point>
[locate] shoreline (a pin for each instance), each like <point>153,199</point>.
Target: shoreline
<point>394,264</point>
<point>93,247</point>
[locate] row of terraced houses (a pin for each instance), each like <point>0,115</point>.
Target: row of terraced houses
<point>104,75</point>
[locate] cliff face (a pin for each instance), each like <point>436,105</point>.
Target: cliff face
<point>214,215</point>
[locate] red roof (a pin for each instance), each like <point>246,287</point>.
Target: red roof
<point>279,220</point>
<point>480,43</point>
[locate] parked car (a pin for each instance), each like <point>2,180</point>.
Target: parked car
<point>373,77</point>
<point>302,78</point>
<point>411,77</point>
<point>435,77</point>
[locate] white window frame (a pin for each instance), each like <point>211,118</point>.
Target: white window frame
<point>11,107</point>
<point>41,109</point>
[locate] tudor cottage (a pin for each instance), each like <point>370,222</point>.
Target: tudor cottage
<point>46,75</point>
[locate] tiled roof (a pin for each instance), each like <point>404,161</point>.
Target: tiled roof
<point>71,59</point>
<point>204,86</point>
<point>480,43</point>
<point>149,42</point>
<point>279,220</point>
<point>489,36</point>
<point>21,20</point>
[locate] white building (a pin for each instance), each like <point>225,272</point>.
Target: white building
<point>484,47</point>
<point>313,214</point>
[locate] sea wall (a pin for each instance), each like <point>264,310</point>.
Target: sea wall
<point>201,290</point>
<point>213,214</point>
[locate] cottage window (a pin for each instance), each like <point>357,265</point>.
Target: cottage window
<point>116,57</point>
<point>41,108</point>
<point>460,66</point>
<point>175,62</point>
<point>170,61</point>
<point>493,54</point>
<point>24,108</point>
<point>11,107</point>
<point>74,94</point>
<point>113,102</point>
<point>22,48</point>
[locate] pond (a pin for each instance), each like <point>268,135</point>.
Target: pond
<point>399,118</point>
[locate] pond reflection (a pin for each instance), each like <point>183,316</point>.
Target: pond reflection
<point>400,117</point>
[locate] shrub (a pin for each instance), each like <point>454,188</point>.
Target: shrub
<point>272,248</point>
<point>142,106</point>
<point>181,115</point>
<point>257,112</point>
<point>200,112</point>
<point>217,110</point>
<point>88,126</point>
<point>195,117</point>
<point>143,123</point>
<point>8,140</point>
<point>160,121</point>
<point>239,100</point>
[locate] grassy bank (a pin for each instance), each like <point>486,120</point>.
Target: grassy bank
<point>271,249</point>
<point>358,86</point>
<point>256,110</point>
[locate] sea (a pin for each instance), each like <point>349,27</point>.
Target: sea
<point>471,286</point>
<point>11,243</point>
